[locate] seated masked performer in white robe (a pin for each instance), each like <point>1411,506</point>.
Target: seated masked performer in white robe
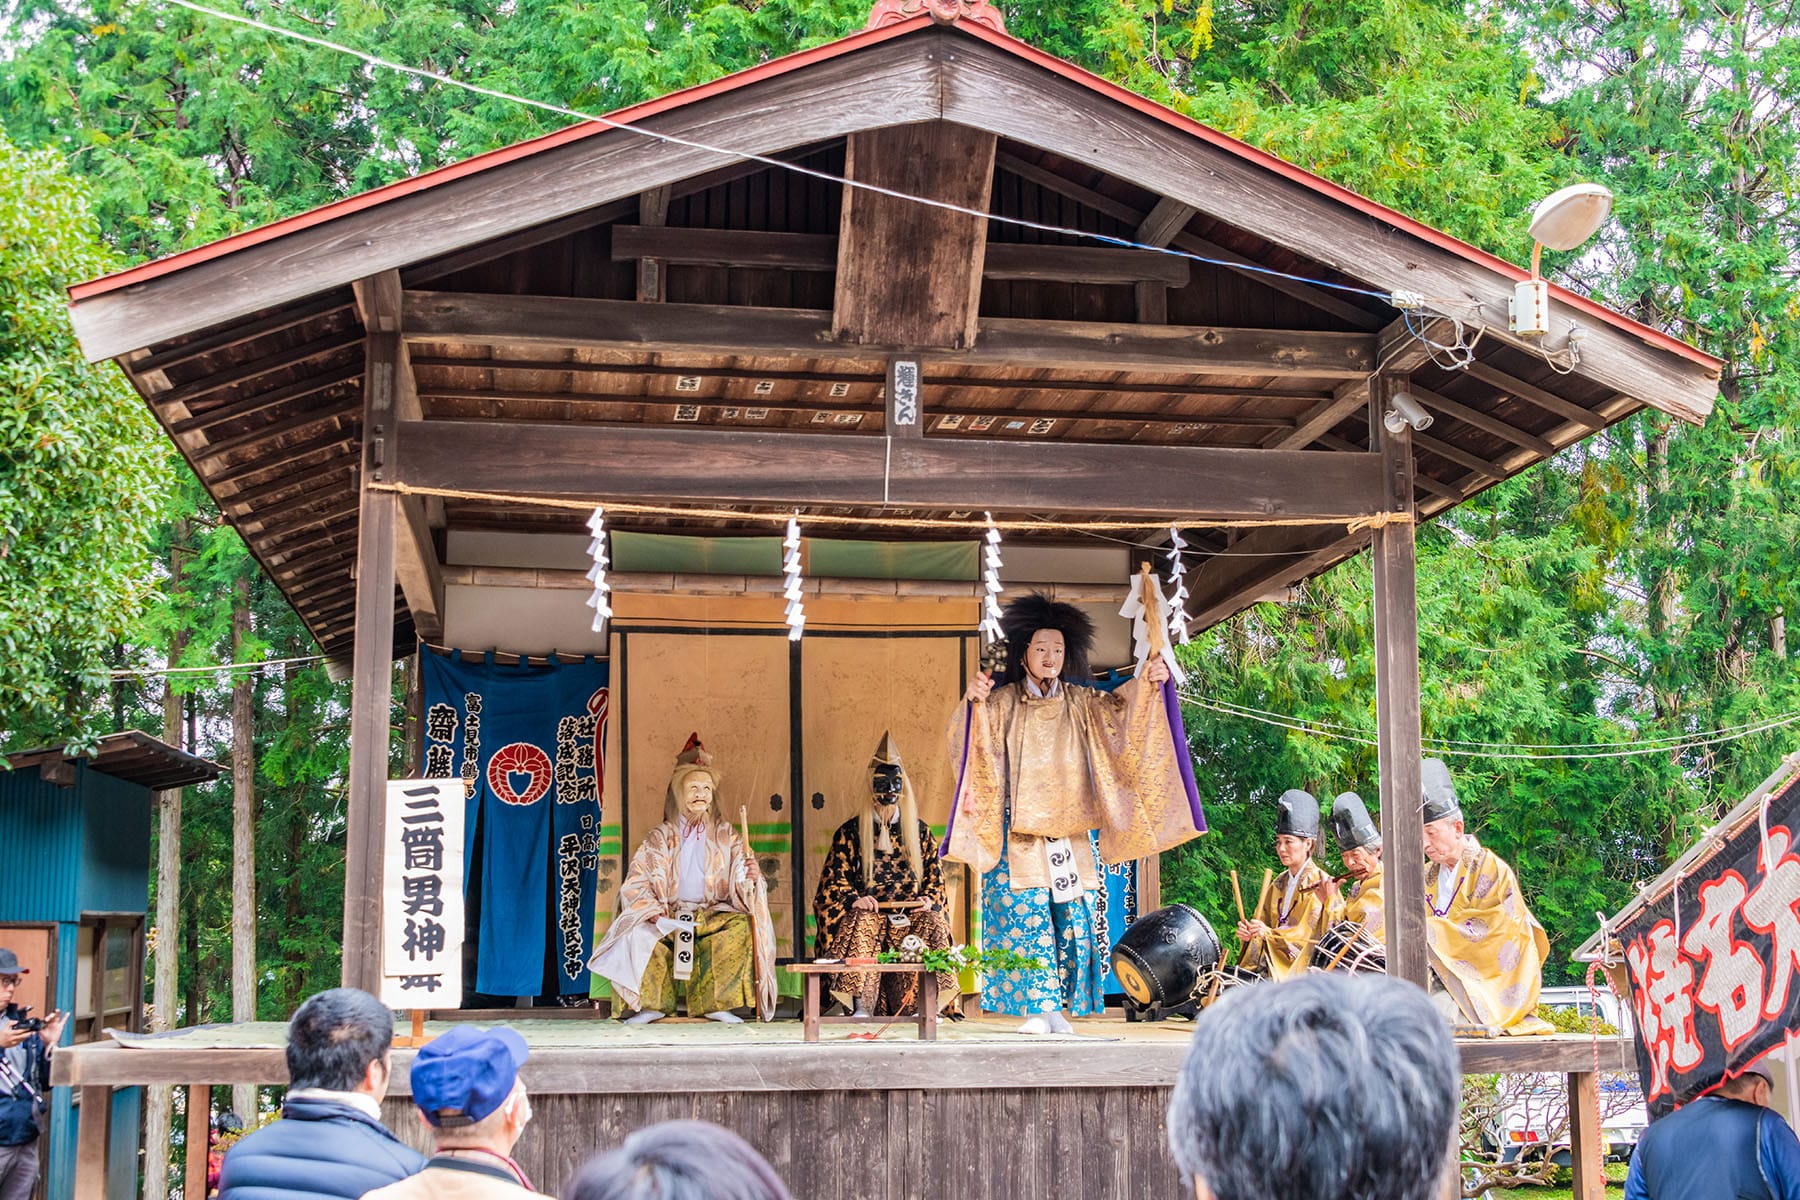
<point>693,919</point>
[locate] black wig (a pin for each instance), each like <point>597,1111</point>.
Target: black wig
<point>1033,611</point>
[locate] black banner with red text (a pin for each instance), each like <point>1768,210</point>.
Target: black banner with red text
<point>1714,961</point>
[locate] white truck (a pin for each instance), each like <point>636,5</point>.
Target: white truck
<point>1533,1114</point>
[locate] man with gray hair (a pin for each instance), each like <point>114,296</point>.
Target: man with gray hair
<point>1323,1087</point>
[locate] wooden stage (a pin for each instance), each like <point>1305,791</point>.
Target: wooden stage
<point>983,1112</point>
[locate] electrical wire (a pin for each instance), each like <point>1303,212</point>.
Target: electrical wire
<point>1594,751</point>
<point>739,155</point>
<point>216,669</point>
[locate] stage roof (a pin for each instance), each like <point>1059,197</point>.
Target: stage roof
<point>596,299</point>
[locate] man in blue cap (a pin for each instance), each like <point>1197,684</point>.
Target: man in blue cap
<point>466,1086</point>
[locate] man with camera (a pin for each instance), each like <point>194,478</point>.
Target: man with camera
<point>25,1045</point>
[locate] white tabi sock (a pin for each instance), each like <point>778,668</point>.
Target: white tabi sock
<point>644,1018</point>
<point>1059,1023</point>
<point>725,1018</point>
<point>1036,1026</point>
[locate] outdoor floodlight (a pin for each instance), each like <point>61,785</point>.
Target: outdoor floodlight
<point>1403,411</point>
<point>1562,221</point>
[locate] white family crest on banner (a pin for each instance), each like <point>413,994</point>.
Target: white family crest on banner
<point>422,894</point>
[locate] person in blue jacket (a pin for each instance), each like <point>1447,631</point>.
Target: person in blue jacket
<point>1727,1145</point>
<point>330,1143</point>
<point>24,1082</point>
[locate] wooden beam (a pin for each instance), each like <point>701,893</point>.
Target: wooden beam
<point>793,332</point>
<point>1486,422</point>
<point>1397,722</point>
<point>750,466</point>
<point>1314,426</point>
<point>909,276</point>
<point>199,1130</point>
<point>687,400</point>
<point>280,427</point>
<point>1261,561</point>
<point>381,300</point>
<point>992,88</point>
<point>1535,395</point>
<point>1457,455</point>
<point>372,672</point>
<point>739,248</point>
<point>1166,219</point>
<point>1586,1158</point>
<point>212,385</point>
<point>92,1127</point>
<point>1397,349</point>
<point>288,461</point>
<point>652,277</point>
<point>237,334</point>
<point>823,380</point>
<point>1083,264</point>
<point>233,410</point>
<point>589,168</point>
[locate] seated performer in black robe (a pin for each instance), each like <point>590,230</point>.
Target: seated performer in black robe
<point>884,854</point>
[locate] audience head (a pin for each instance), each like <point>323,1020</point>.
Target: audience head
<point>338,1040</point>
<point>1319,1088</point>
<point>466,1085</point>
<point>679,1160</point>
<point>1753,1085</point>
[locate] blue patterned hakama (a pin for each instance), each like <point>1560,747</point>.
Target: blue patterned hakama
<point>1068,937</point>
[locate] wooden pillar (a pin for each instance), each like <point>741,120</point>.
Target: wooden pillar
<point>199,1128</point>
<point>371,691</point>
<point>1397,702</point>
<point>91,1137</point>
<point>1585,1156</point>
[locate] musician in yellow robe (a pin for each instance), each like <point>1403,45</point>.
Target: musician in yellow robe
<point>1054,777</point>
<point>1359,843</point>
<point>884,854</point>
<point>1279,938</point>
<point>693,918</point>
<point>1485,947</point>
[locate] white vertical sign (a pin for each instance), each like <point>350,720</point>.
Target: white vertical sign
<point>422,894</point>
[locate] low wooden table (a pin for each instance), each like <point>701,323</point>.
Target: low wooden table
<point>810,1019</point>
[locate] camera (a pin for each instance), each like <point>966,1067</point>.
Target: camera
<point>27,1022</point>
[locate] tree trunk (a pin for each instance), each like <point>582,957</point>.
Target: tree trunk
<point>243,837</point>
<point>166,935</point>
<point>1778,634</point>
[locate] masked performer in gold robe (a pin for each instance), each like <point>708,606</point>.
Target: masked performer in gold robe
<point>1359,842</point>
<point>693,919</point>
<point>1279,939</point>
<point>885,854</point>
<point>1485,946</point>
<point>1053,777</point>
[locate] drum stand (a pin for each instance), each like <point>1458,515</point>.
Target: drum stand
<point>1134,1012</point>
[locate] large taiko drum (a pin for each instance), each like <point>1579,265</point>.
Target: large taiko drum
<point>1161,959</point>
<point>1348,946</point>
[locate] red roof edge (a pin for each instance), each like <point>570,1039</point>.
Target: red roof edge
<point>856,41</point>
<point>156,268</point>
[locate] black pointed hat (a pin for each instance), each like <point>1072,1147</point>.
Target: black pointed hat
<point>1297,813</point>
<point>1351,824</point>
<point>1023,617</point>
<point>1440,793</point>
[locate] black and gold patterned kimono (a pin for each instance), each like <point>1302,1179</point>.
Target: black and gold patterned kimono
<point>844,932</point>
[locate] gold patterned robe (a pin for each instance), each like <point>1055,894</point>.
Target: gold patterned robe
<point>1060,765</point>
<point>1287,949</point>
<point>1487,949</point>
<point>649,892</point>
<point>1362,903</point>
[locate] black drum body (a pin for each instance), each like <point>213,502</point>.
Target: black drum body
<point>1163,956</point>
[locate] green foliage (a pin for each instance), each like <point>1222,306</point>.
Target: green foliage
<point>82,472</point>
<point>967,958</point>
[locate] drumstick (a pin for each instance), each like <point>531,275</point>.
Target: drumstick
<point>1244,950</point>
<point>1339,957</point>
<point>1238,892</point>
